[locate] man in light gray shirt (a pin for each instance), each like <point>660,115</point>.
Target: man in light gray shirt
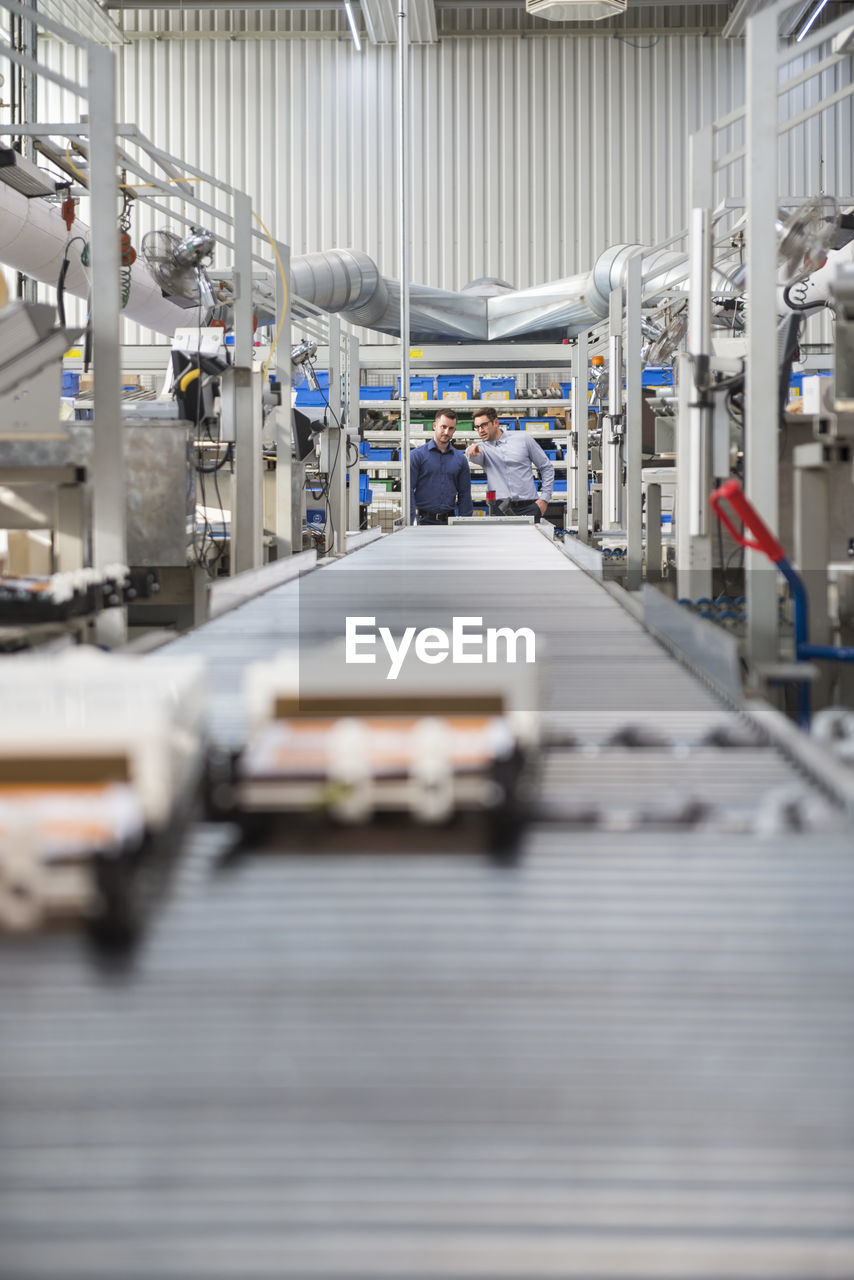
<point>506,457</point>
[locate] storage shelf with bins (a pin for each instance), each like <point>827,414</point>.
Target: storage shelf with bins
<point>551,433</point>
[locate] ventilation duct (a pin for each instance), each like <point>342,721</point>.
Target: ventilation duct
<point>33,239</point>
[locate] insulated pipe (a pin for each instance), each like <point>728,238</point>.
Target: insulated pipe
<point>33,239</point>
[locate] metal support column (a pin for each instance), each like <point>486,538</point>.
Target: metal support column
<point>612,435</point>
<point>404,162</point>
<point>634,424</point>
<point>109,539</point>
<point>579,427</point>
<point>336,453</point>
<point>694,548</point>
<point>288,538</point>
<point>247,516</point>
<point>653,532</point>
<point>760,417</point>
<point>351,443</point>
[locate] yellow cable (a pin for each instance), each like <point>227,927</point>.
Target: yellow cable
<point>127,186</point>
<point>80,175</point>
<point>189,376</point>
<point>284,281</point>
<point>163,182</point>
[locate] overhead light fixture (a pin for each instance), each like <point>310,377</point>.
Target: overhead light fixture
<point>576,10</point>
<point>23,175</point>
<point>348,9</point>
<point>810,20</point>
<point>83,15</point>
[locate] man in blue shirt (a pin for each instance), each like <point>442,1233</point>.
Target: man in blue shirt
<point>439,475</point>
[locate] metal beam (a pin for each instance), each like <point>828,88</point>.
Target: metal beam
<point>109,538</point>
<point>579,428</point>
<point>761,411</point>
<point>634,424</point>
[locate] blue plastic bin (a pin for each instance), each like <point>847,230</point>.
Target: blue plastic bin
<point>376,393</point>
<point>420,387</point>
<point>796,381</point>
<point>560,485</point>
<point>497,389</point>
<point>377,454</point>
<point>455,387</point>
<point>306,393</point>
<point>538,424</point>
<point>70,384</point>
<point>509,424</point>
<point>566,389</point>
<point>308,396</point>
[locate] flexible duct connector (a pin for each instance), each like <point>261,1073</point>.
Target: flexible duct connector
<point>341,280</point>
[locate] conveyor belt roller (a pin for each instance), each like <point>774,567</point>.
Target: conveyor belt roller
<point>629,1056</point>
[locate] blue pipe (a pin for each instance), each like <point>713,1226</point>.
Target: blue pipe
<point>799,599</point>
<point>803,649</point>
<point>834,653</point>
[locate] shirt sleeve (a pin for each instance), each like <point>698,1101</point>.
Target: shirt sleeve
<point>464,501</point>
<point>415,460</point>
<point>544,466</point>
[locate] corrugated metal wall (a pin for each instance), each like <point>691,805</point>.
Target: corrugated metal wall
<point>531,154</point>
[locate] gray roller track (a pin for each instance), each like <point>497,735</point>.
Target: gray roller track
<point>631,1056</point>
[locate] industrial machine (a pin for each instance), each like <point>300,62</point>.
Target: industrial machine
<point>100,757</point>
<point>329,752</point>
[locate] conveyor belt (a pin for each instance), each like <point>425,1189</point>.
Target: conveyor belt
<point>631,1056</point>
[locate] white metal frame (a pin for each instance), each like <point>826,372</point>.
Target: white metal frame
<point>108,146</point>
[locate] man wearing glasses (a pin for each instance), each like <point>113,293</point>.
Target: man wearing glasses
<point>507,458</point>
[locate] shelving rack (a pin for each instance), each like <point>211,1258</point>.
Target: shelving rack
<point>504,358</point>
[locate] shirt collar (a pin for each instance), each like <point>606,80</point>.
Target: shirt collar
<point>431,444</point>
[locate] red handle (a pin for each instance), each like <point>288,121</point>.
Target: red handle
<point>732,493</point>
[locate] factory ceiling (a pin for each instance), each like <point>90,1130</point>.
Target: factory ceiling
<point>432,20</point>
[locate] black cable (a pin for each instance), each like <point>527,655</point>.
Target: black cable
<point>802,286</point>
<point>222,461</point>
<point>60,292</point>
<point>724,384</point>
<point>63,272</point>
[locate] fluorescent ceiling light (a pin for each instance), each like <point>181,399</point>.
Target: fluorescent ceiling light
<point>348,9</point>
<point>805,28</point>
<point>84,16</point>
<point>23,175</point>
